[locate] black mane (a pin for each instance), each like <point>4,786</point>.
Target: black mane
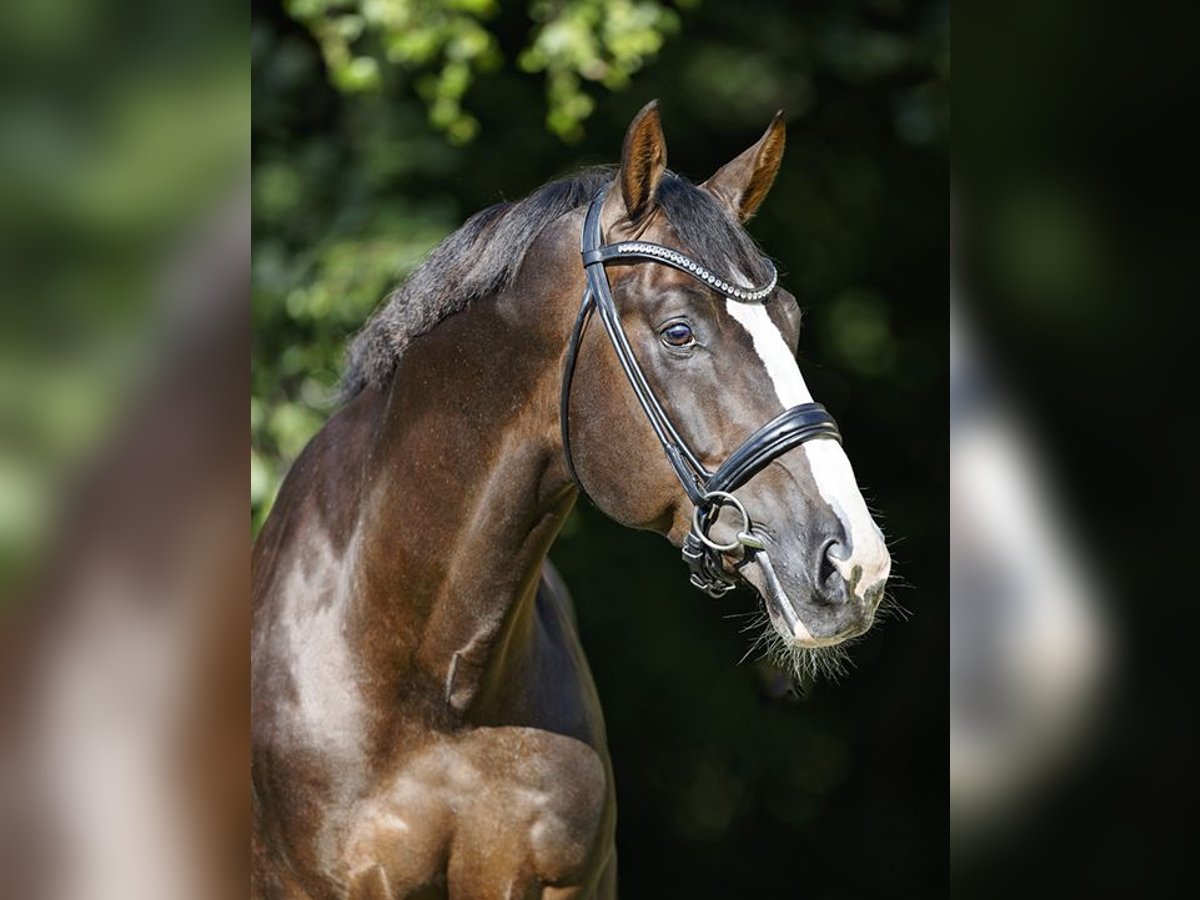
<point>483,256</point>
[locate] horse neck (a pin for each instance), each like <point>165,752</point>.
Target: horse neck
<point>468,492</point>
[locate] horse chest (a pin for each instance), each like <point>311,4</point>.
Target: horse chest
<point>489,812</point>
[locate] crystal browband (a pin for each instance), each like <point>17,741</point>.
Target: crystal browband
<point>677,260</point>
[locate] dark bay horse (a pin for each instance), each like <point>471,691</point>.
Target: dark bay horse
<point>424,721</point>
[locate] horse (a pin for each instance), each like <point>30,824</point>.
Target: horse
<point>424,722</point>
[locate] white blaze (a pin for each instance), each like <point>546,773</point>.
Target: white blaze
<point>830,467</point>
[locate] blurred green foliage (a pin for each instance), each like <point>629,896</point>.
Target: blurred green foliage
<point>720,789</point>
<point>443,47</point>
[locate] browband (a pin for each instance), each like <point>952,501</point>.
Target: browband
<point>676,260</point>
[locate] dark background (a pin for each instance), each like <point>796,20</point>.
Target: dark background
<point>1076,190</point>
<point>725,787</point>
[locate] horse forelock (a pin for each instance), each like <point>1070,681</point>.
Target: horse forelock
<point>708,232</point>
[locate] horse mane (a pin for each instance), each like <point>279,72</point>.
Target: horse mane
<point>483,257</point>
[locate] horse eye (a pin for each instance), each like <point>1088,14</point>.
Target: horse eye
<point>678,335</point>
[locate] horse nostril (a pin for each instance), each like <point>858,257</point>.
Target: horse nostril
<point>826,570</point>
<point>829,574</point>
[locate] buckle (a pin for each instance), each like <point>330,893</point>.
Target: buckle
<point>707,573</point>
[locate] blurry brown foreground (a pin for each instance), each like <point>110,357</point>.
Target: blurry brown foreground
<point>124,552</point>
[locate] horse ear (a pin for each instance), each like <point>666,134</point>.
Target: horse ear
<point>643,161</point>
<point>742,183</point>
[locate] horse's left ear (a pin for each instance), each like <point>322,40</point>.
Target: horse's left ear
<point>742,183</point>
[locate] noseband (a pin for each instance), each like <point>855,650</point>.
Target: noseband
<point>708,491</point>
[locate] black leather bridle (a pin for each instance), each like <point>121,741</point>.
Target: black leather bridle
<point>708,491</point>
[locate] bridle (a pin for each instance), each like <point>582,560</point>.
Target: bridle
<point>708,491</point>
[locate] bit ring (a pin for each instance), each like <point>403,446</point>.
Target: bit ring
<point>722,498</point>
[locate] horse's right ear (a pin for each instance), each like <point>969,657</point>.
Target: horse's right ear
<point>643,161</point>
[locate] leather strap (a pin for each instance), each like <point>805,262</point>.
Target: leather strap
<point>676,260</point>
<point>564,397</point>
<point>789,429</point>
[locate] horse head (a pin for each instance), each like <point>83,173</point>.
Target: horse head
<point>717,356</point>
